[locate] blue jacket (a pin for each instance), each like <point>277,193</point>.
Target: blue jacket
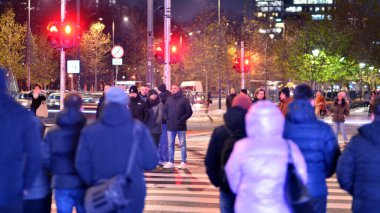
<point>60,148</point>
<point>358,169</point>
<point>104,151</point>
<point>20,150</point>
<point>317,143</point>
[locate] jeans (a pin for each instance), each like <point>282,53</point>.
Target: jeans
<point>227,202</point>
<point>42,205</point>
<point>66,199</point>
<point>340,127</point>
<point>163,146</point>
<point>182,144</point>
<point>319,204</point>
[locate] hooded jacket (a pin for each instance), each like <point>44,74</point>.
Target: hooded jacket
<point>20,149</point>
<point>234,122</point>
<point>177,110</point>
<point>139,109</point>
<point>358,169</point>
<point>317,143</point>
<point>156,114</point>
<point>104,151</point>
<point>60,148</point>
<point>257,167</point>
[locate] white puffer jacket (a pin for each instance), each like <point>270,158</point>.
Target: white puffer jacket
<point>257,167</point>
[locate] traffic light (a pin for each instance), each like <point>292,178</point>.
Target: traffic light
<point>237,65</point>
<point>159,54</point>
<point>54,36</point>
<point>69,37</point>
<point>175,53</point>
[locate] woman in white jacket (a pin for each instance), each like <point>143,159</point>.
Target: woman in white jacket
<point>257,167</point>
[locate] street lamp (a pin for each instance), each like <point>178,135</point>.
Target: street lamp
<point>315,53</point>
<point>361,65</point>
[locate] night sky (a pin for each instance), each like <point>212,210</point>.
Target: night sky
<point>185,10</point>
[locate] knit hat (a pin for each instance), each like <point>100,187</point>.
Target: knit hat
<point>242,101</point>
<point>162,88</point>
<point>73,101</point>
<point>133,89</point>
<point>116,95</point>
<point>3,81</point>
<point>303,92</point>
<point>245,91</point>
<point>286,91</point>
<point>152,91</point>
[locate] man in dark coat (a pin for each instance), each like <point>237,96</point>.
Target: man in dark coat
<point>60,148</point>
<point>20,150</point>
<point>105,147</point>
<point>100,106</point>
<point>163,154</point>
<point>316,141</point>
<point>358,169</point>
<point>176,111</point>
<point>234,127</point>
<point>230,97</point>
<point>138,107</point>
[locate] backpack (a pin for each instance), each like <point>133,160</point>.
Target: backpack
<point>229,143</point>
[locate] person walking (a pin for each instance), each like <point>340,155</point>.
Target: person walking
<point>230,98</point>
<point>358,168</point>
<point>371,108</point>
<point>60,147</point>
<point>257,167</point>
<point>37,97</point>
<point>105,147</point>
<point>156,110</point>
<point>320,105</point>
<point>259,95</point>
<point>100,106</point>
<point>20,150</point>
<point>163,149</point>
<point>137,106</point>
<point>340,111</point>
<point>221,144</point>
<point>177,111</point>
<point>317,143</point>
<point>285,100</point>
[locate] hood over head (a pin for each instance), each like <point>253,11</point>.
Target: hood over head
<point>234,119</point>
<point>115,114</point>
<point>264,119</point>
<point>242,101</point>
<point>116,95</point>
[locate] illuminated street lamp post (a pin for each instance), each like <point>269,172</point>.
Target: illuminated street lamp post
<point>315,53</point>
<point>361,65</point>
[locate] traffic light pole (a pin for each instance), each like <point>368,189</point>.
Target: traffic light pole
<point>63,60</point>
<point>150,40</point>
<point>167,20</point>
<point>242,65</point>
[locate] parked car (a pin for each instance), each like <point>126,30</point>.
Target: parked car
<point>23,99</point>
<point>91,100</point>
<point>52,101</point>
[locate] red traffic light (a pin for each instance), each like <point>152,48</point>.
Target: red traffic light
<point>63,35</point>
<point>237,65</point>
<point>53,28</point>
<point>68,29</point>
<point>159,54</point>
<point>54,37</point>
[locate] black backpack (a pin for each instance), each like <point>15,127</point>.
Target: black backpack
<point>229,143</point>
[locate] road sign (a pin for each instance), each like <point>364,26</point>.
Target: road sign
<point>73,66</point>
<point>117,61</point>
<point>117,51</point>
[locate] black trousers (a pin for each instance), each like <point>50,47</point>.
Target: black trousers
<point>42,205</point>
<point>156,139</point>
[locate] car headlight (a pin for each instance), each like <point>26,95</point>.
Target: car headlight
<point>24,103</point>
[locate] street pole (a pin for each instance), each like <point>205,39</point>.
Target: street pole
<point>63,60</point>
<point>167,20</point>
<point>78,45</point>
<point>242,64</point>
<point>219,75</point>
<point>28,49</point>
<point>150,40</point>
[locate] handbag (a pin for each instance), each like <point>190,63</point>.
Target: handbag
<point>296,193</point>
<point>42,110</point>
<point>114,193</point>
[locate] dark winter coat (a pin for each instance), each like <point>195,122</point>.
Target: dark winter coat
<point>36,102</point>
<point>340,111</point>
<point>20,150</point>
<point>163,97</point>
<point>100,107</point>
<point>156,114</point>
<point>177,110</point>
<point>317,143</point>
<point>229,100</point>
<point>60,148</point>
<point>139,109</point>
<point>104,151</point>
<point>358,169</point>
<point>234,122</point>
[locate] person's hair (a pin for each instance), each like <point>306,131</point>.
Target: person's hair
<point>175,84</point>
<point>73,101</point>
<point>37,85</point>
<point>374,92</point>
<point>303,92</point>
<point>343,101</point>
<point>259,90</point>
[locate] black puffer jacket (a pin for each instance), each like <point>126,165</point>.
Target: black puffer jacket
<point>60,148</point>
<point>359,169</point>
<point>317,143</point>
<point>177,110</point>
<point>139,109</point>
<point>234,121</point>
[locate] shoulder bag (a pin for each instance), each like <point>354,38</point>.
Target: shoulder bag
<point>114,193</point>
<point>42,110</point>
<point>296,193</point>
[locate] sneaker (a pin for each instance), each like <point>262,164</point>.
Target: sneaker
<point>169,165</point>
<point>182,165</point>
